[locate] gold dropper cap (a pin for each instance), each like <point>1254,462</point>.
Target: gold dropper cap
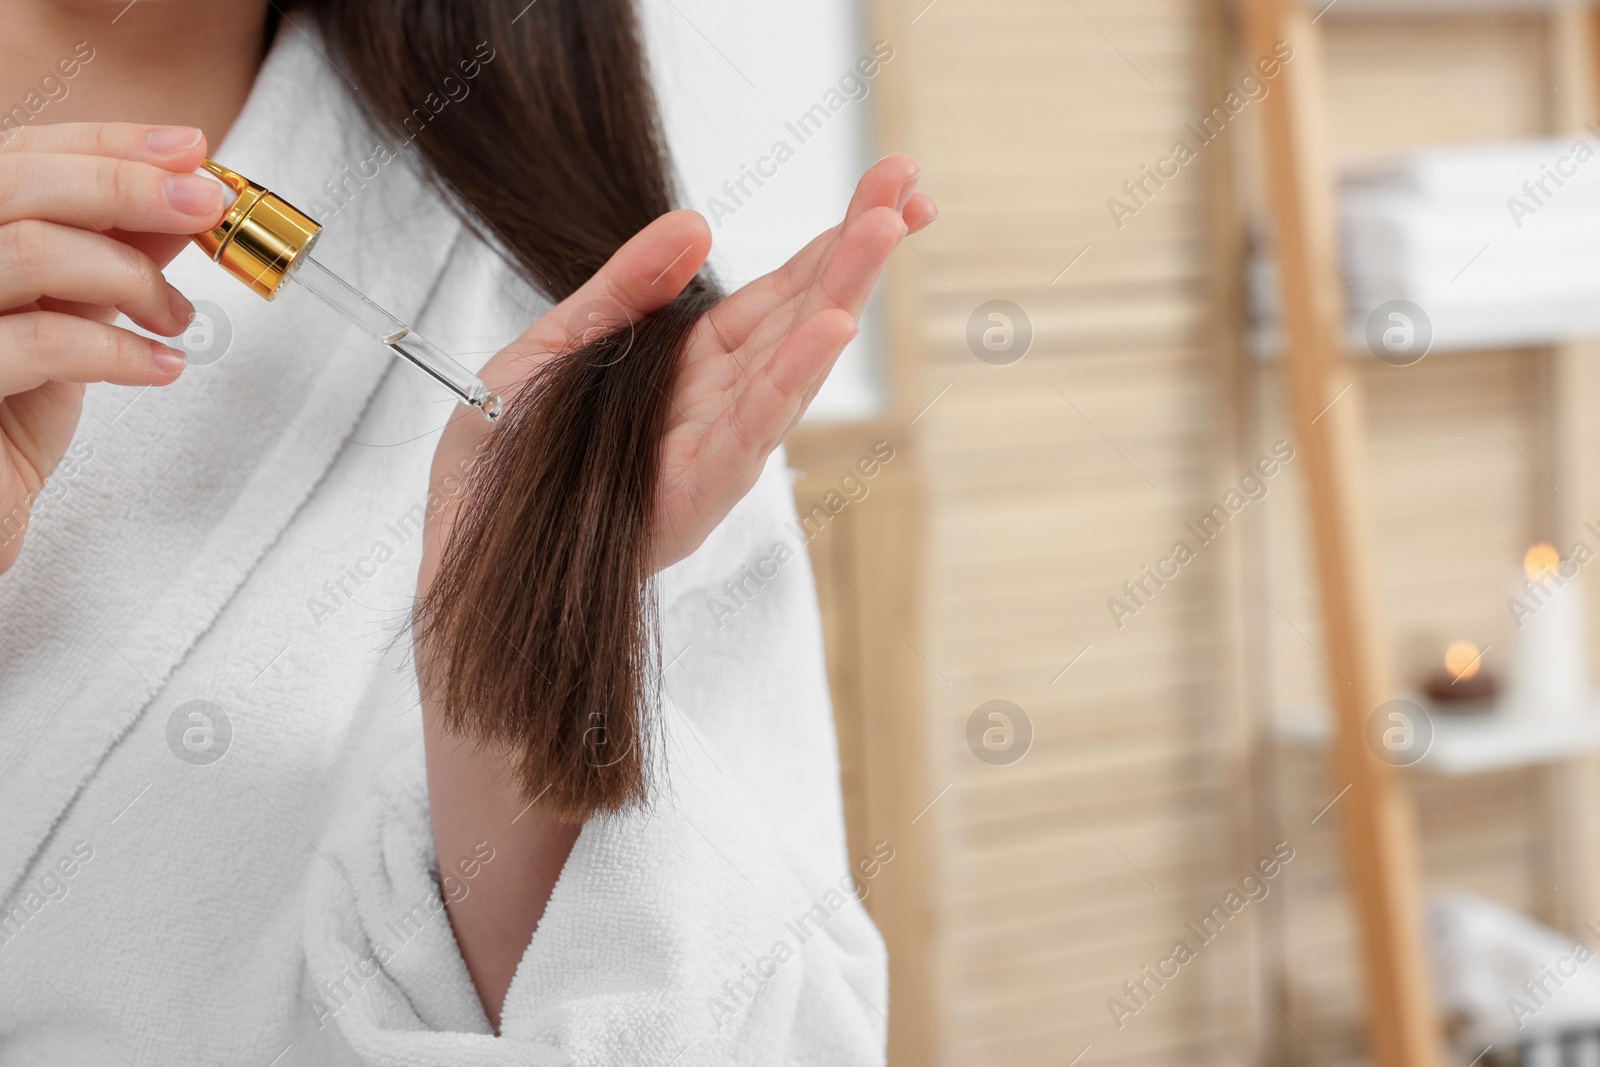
<point>260,237</point>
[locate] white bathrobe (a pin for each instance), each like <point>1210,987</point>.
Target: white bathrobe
<point>214,836</point>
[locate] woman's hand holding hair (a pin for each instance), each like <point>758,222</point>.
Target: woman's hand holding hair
<point>89,215</point>
<point>750,367</point>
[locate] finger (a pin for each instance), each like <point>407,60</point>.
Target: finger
<point>645,274</point>
<point>46,259</point>
<point>772,400</point>
<point>162,248</point>
<point>642,276</point>
<point>174,148</point>
<point>92,312</point>
<point>38,347</point>
<point>101,194</point>
<point>887,183</point>
<point>847,278</point>
<point>919,212</point>
<point>743,312</point>
<point>736,317</point>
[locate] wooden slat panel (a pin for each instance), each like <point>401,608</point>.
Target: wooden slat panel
<point>1048,482</point>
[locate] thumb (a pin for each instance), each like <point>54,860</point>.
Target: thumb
<point>641,277</point>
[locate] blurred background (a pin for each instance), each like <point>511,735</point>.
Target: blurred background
<point>1209,639</point>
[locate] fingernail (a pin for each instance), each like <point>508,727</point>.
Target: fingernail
<point>170,140</point>
<point>905,193</point>
<point>229,194</point>
<point>167,360</point>
<point>182,310</point>
<point>193,195</point>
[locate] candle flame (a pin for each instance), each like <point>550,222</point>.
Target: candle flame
<point>1462,659</point>
<point>1541,561</point>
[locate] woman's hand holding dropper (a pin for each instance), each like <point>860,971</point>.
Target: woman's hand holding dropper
<point>90,213</point>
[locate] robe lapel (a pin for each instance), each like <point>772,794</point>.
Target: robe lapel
<point>170,497</point>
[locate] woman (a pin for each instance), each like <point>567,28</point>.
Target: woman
<point>233,831</point>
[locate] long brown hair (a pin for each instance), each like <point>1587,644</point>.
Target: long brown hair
<point>538,633</point>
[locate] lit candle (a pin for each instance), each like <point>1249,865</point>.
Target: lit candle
<point>1463,684</point>
<point>1551,671</point>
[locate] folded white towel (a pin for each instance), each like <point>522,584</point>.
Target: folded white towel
<point>1495,243</point>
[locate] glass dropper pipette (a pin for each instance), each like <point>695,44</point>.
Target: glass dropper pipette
<point>401,339</point>
<point>265,241</point>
